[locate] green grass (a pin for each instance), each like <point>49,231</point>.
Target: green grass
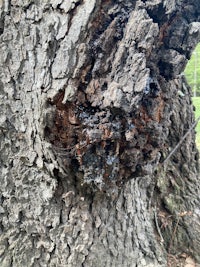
<point>196,102</point>
<point>192,70</point>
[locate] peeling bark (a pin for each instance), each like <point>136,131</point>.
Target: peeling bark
<point>92,102</point>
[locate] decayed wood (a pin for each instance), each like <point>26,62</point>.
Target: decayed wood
<point>89,111</point>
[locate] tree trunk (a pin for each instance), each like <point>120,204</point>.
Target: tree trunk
<point>92,103</point>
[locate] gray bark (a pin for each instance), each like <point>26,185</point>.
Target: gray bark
<point>92,102</point>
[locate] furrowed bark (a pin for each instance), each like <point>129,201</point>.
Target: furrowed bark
<point>92,103</point>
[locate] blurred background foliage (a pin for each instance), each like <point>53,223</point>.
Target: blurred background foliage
<point>192,73</point>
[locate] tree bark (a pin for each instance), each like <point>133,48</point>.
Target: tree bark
<point>92,103</point>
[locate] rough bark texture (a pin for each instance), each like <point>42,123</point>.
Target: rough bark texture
<point>92,102</point>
